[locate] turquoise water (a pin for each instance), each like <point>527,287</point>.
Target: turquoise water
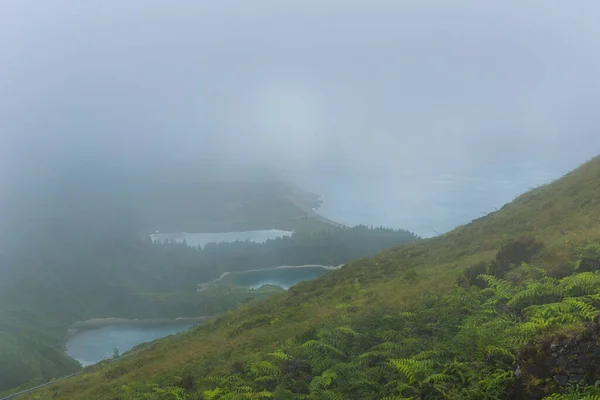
<point>95,345</point>
<point>283,277</point>
<point>202,239</point>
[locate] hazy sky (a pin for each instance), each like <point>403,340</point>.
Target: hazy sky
<point>409,104</point>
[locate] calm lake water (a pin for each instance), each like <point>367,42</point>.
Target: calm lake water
<point>283,277</point>
<point>202,239</point>
<point>95,345</point>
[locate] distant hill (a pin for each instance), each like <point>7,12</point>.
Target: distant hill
<point>423,320</point>
<point>188,206</point>
<point>101,196</point>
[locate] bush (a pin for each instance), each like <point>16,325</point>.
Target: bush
<point>471,275</point>
<point>589,259</point>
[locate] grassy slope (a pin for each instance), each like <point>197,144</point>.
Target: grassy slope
<point>564,214</point>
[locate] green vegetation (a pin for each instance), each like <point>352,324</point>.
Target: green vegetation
<point>332,246</point>
<point>52,281</point>
<point>462,345</point>
<point>424,320</point>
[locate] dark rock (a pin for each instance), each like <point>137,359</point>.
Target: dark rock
<point>547,364</point>
<point>563,380</point>
<point>576,370</point>
<point>563,362</point>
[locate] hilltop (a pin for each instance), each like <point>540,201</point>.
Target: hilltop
<point>381,321</point>
<point>94,194</point>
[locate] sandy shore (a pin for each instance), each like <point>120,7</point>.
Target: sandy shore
<point>95,323</point>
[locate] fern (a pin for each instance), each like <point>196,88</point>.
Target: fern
<point>569,310</point>
<point>321,383</point>
<point>389,347</point>
<point>539,292</point>
<point>499,351</point>
<point>462,345</point>
<point>413,369</point>
<point>585,283</point>
<point>520,334</point>
<point>280,355</point>
<point>585,310</point>
<point>500,287</point>
<point>438,378</point>
<point>494,385</point>
<point>259,369</point>
<point>314,346</point>
<point>213,394</point>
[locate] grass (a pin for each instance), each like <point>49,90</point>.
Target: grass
<point>564,215</point>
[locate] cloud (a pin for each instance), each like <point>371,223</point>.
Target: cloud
<point>389,93</point>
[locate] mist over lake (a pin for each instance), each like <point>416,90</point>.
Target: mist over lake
<point>424,201</point>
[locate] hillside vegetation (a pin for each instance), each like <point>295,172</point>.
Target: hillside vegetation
<point>52,280</point>
<point>448,317</point>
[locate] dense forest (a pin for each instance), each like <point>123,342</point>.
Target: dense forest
<point>331,246</point>
<point>56,277</point>
<point>503,307</point>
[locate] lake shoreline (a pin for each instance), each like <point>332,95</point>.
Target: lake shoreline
<point>203,286</point>
<point>95,323</point>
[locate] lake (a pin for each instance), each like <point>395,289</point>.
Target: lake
<point>92,346</point>
<point>283,276</point>
<point>202,239</point>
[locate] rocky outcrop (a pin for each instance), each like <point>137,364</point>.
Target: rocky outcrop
<point>554,361</point>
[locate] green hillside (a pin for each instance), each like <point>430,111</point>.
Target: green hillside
<point>440,318</point>
<point>53,280</point>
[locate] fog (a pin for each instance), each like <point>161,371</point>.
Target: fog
<point>420,115</point>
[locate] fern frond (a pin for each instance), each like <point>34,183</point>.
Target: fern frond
<point>280,355</point>
<point>438,378</point>
<point>413,369</point>
<point>585,283</point>
<point>545,290</point>
<point>500,286</point>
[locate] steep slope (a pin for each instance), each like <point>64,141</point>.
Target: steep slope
<point>54,280</point>
<point>563,215</point>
